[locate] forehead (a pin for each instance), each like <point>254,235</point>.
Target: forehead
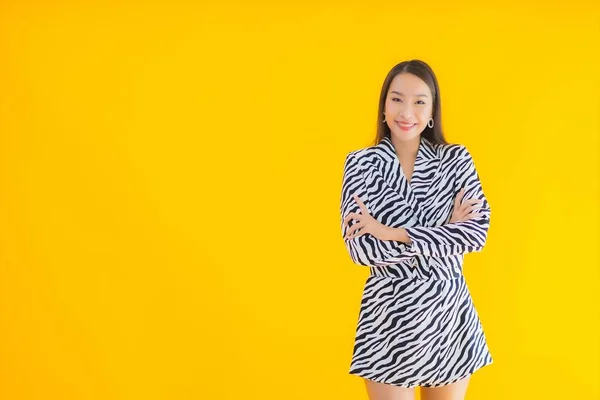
<point>409,85</point>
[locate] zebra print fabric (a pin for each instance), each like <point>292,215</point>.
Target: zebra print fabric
<point>417,324</point>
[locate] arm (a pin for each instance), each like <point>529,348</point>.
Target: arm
<point>457,237</point>
<point>365,249</point>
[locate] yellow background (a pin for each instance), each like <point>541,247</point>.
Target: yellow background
<point>170,180</point>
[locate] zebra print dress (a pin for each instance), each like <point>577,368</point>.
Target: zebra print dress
<point>417,325</point>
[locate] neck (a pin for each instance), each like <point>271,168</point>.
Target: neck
<point>406,149</point>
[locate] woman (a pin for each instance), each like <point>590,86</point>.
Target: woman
<point>412,205</point>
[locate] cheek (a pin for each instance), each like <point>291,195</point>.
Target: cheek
<point>424,114</point>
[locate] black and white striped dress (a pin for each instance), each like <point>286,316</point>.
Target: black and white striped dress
<point>417,324</point>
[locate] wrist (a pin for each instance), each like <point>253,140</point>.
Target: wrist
<point>399,235</point>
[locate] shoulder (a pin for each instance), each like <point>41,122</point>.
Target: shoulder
<point>372,154</point>
<point>454,153</point>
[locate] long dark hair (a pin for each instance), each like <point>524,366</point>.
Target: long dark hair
<point>422,70</point>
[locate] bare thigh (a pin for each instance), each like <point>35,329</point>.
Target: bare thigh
<point>453,391</point>
<point>384,391</point>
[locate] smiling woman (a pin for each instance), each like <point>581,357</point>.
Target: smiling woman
<point>412,205</point>
<point>403,111</point>
<point>410,102</point>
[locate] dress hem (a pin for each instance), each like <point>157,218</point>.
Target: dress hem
<point>413,385</point>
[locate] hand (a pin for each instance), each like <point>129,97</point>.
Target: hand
<point>463,212</point>
<point>365,222</point>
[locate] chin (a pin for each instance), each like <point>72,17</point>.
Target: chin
<point>406,136</point>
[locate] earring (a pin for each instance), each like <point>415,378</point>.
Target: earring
<point>430,119</point>
<point>383,118</point>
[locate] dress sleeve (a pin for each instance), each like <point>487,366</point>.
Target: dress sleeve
<point>365,249</point>
<point>462,236</point>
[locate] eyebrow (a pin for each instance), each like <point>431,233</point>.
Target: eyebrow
<point>419,95</point>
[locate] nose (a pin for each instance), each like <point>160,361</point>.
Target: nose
<point>406,112</point>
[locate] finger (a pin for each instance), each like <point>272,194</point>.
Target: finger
<point>358,233</point>
<point>349,231</point>
<point>458,197</point>
<point>471,216</point>
<point>469,212</point>
<point>348,218</point>
<point>360,203</point>
<point>457,201</point>
<point>472,207</point>
<point>474,215</point>
<point>351,216</point>
<point>472,201</point>
<point>475,201</point>
<point>358,226</point>
<point>353,229</point>
<point>464,213</point>
<point>478,205</point>
<point>469,203</point>
<point>354,233</point>
<point>350,235</point>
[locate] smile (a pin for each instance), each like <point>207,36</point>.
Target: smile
<point>405,127</point>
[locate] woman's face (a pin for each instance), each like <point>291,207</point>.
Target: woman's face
<point>408,106</point>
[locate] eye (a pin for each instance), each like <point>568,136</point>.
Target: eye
<point>396,98</point>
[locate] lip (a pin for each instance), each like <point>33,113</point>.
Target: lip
<point>405,127</point>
